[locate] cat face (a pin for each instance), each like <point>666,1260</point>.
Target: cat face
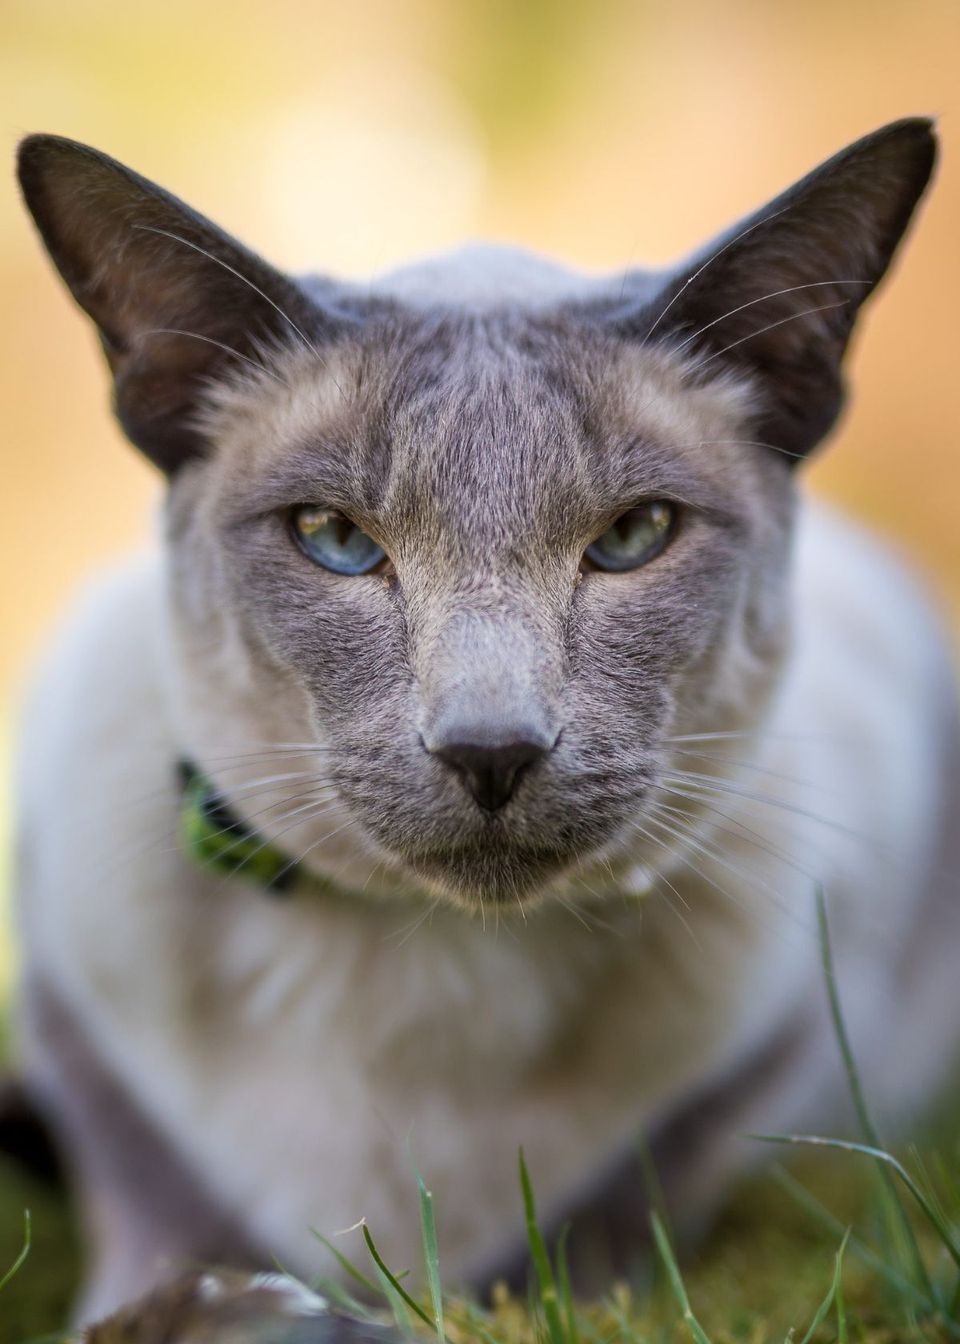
<point>484,456</point>
<point>493,695</point>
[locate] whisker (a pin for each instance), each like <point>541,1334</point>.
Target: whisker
<point>208,340</point>
<point>662,878</point>
<point>210,256</point>
<point>771,326</point>
<point>751,836</point>
<point>714,784</point>
<point>171,788</point>
<point>751,734</point>
<point>410,929</point>
<point>266,841</point>
<point>767,219</point>
<point>594,921</point>
<point>751,765</point>
<point>583,881</point>
<point>313,795</point>
<point>265,749</point>
<point>774,294</point>
<point>322,841</point>
<point>711,853</point>
<point>241,790</point>
<point>292,862</point>
<point>700,872</point>
<point>370,875</point>
<point>571,909</point>
<point>745,443</point>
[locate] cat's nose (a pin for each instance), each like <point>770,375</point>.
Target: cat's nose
<point>491,773</point>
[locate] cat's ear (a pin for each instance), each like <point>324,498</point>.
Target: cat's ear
<point>777,297</point>
<point>176,300</point>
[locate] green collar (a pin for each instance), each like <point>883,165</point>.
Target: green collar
<point>218,840</point>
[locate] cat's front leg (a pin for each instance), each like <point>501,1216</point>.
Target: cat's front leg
<point>144,1212</point>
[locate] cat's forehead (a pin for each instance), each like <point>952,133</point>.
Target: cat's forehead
<point>504,413</point>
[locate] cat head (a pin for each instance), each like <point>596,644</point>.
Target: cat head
<point>482,537</point>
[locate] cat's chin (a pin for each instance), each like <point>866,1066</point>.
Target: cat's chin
<point>475,878</point>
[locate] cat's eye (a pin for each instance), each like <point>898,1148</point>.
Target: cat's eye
<point>635,538</point>
<point>333,541</point>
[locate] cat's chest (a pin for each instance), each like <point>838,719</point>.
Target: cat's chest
<point>299,1057</point>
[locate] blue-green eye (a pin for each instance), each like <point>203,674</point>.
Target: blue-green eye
<point>635,538</point>
<point>331,540</point>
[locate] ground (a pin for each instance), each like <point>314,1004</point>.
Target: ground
<point>763,1271</point>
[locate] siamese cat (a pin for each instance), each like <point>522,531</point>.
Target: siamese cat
<point>459,770</point>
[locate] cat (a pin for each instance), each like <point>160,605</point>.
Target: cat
<point>459,770</point>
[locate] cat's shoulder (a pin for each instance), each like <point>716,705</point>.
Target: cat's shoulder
<point>859,603</point>
<point>101,673</point>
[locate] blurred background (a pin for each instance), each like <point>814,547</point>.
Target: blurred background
<point>346,135</point>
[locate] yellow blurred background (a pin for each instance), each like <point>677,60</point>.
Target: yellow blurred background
<point>345,135</point>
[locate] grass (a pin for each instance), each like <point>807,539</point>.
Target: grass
<point>856,1245</point>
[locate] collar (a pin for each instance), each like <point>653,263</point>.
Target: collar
<point>215,838</point>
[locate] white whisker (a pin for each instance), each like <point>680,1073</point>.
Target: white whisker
<point>750,765</point>
<point>693,780</point>
<point>208,340</point>
<point>774,294</point>
<point>714,256</point>
<point>744,832</point>
<point>710,852</point>
<point>244,279</point>
<point>662,878</point>
<point>771,326</point>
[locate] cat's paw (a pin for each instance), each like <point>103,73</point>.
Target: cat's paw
<point>225,1307</point>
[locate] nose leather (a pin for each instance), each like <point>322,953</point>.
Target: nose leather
<point>491,772</point>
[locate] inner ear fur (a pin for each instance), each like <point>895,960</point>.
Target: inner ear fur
<point>147,268</point>
<point>777,296</point>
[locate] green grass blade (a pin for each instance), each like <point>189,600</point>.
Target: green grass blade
<point>626,1330</point>
<point>431,1254</point>
<point>840,1026</point>
<point>811,1205</point>
<point>541,1260</point>
<point>897,1218</point>
<point>476,1327</point>
<point>841,1307</point>
<point>942,1228</point>
<point>566,1288</point>
<point>338,1294</point>
<point>389,1278</point>
<point>24,1251</point>
<point>832,1293</point>
<point>401,1315</point>
<point>652,1185</point>
<point>346,1265</point>
<point>697,1332</point>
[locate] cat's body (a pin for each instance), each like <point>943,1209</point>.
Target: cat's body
<point>229,1068</point>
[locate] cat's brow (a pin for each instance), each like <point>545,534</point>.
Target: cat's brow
<point>320,472</point>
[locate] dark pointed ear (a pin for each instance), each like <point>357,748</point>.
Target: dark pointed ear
<point>777,297</point>
<point>176,300</point>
